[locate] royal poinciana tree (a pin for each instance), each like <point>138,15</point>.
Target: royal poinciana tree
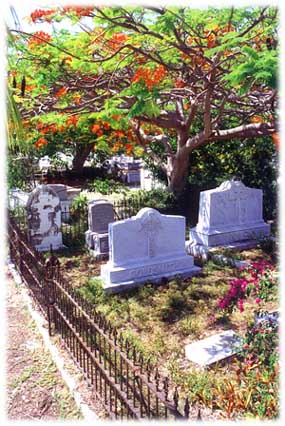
<point>159,82</point>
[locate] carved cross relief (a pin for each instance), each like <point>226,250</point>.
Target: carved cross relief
<point>239,195</point>
<point>150,225</point>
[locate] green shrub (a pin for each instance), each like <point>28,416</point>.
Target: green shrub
<point>159,199</point>
<point>20,172</point>
<point>93,291</point>
<point>106,186</point>
<point>261,343</point>
<point>79,205</point>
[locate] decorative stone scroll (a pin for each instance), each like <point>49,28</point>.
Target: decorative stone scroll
<point>146,247</point>
<point>44,219</point>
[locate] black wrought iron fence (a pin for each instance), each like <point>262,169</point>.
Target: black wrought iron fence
<point>74,224</point>
<point>127,385</point>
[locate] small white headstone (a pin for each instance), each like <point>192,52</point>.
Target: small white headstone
<point>44,219</point>
<point>229,214</point>
<point>214,348</point>
<point>146,247</point>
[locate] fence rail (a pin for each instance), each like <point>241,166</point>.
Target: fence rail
<point>127,385</point>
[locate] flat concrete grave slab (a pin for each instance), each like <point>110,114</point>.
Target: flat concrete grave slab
<point>214,348</point>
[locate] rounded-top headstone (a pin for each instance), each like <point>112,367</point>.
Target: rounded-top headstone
<point>100,214</point>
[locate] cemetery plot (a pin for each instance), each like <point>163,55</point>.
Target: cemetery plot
<point>164,309</point>
<point>161,320</point>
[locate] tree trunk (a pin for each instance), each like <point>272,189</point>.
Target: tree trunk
<point>178,174</point>
<point>81,154</point>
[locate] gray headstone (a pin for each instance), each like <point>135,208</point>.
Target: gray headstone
<point>100,214</point>
<point>214,348</point>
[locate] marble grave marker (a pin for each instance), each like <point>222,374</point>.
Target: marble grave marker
<point>229,214</point>
<point>146,247</point>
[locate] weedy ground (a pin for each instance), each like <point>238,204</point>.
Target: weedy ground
<point>161,319</point>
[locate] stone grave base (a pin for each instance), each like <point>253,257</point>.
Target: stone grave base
<point>195,247</point>
<point>236,234</point>
<point>54,247</point>
<point>98,244</point>
<point>118,279</point>
<point>214,348</point>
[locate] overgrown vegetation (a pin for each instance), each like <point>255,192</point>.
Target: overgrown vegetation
<point>160,319</point>
<point>107,186</point>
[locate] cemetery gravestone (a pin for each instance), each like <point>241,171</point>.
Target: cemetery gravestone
<point>229,214</point>
<point>44,219</point>
<point>100,214</point>
<point>146,247</point>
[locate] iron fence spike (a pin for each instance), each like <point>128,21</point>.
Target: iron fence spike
<point>199,417</point>
<point>186,408</point>
<point>176,398</point>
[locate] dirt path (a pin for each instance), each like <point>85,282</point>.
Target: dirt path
<point>35,389</point>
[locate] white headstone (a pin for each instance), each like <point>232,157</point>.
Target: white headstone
<point>44,219</point>
<point>229,214</point>
<point>100,214</point>
<point>146,247</point>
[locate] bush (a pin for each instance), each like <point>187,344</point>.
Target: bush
<point>261,343</point>
<point>20,172</point>
<point>93,291</point>
<point>106,186</point>
<point>78,206</point>
<point>259,283</point>
<point>159,199</point>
